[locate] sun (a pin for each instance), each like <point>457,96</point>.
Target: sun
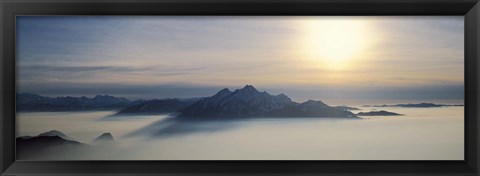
<point>332,42</point>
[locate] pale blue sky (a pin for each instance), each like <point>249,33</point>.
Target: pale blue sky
<point>157,57</point>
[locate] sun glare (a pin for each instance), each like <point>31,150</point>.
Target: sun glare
<point>334,41</point>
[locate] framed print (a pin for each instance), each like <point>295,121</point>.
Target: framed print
<point>254,87</point>
<point>240,88</point>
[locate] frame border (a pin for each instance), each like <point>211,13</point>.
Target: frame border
<point>470,9</point>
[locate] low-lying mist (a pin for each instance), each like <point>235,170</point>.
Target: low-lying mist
<point>421,134</point>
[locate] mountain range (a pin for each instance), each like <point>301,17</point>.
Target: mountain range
<point>378,113</point>
<point>249,102</point>
<point>33,102</point>
<point>415,105</point>
<point>225,104</point>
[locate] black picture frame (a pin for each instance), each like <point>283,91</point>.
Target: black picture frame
<point>470,9</point>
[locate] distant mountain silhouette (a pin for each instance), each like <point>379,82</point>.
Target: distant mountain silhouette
<point>378,113</point>
<point>225,104</point>
<point>55,133</point>
<point>152,107</point>
<point>55,144</point>
<point>34,102</point>
<point>45,143</point>
<point>248,102</point>
<point>243,102</point>
<point>309,108</point>
<point>347,107</point>
<point>414,105</point>
<point>105,137</point>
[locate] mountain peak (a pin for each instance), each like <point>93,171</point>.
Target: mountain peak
<point>104,137</point>
<point>55,133</point>
<point>244,102</point>
<point>225,90</point>
<point>314,103</point>
<point>248,88</point>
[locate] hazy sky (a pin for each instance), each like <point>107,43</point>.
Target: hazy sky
<point>303,57</point>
